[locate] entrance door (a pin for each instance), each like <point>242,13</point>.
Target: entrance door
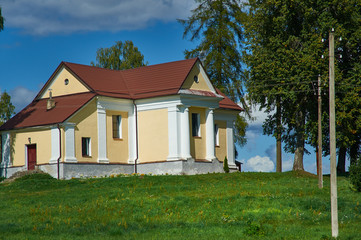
<point>31,156</point>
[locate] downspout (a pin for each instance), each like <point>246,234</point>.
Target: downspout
<point>136,136</point>
<point>58,164</point>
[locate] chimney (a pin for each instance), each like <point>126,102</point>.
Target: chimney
<point>50,103</point>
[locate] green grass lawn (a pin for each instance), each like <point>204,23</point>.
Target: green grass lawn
<point>212,206</point>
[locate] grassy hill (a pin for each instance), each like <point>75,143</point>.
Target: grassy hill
<point>212,206</point>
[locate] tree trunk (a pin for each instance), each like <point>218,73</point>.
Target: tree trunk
<point>341,160</point>
<point>279,143</point>
<point>298,162</point>
<point>300,142</point>
<point>354,152</point>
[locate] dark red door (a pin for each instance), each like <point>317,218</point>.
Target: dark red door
<point>31,156</point>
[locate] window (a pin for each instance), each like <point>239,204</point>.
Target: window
<point>117,126</point>
<point>196,125</point>
<point>86,146</point>
<point>216,135</point>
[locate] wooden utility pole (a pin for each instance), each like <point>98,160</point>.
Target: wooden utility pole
<point>319,141</point>
<point>278,137</point>
<point>333,173</point>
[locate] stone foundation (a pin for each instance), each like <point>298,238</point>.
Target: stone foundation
<point>84,170</point>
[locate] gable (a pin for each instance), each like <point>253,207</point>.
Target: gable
<point>63,83</point>
<point>203,83</point>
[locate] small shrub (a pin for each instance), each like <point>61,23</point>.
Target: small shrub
<point>355,175</point>
<point>225,165</point>
<point>2,179</point>
<point>35,176</point>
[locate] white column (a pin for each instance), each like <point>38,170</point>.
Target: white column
<point>230,145</point>
<point>173,137</point>
<point>185,136</point>
<point>132,132</point>
<point>210,150</point>
<point>55,145</point>
<point>102,136</point>
<point>70,143</point>
<point>6,150</point>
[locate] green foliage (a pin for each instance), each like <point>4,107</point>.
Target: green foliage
<point>6,108</point>
<point>240,127</point>
<point>225,165</point>
<point>355,175</point>
<point>217,24</point>
<point>119,57</point>
<point>283,52</point>
<point>254,229</point>
<point>35,176</point>
<point>210,206</point>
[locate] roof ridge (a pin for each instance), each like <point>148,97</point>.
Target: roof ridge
<point>154,65</point>
<point>131,69</point>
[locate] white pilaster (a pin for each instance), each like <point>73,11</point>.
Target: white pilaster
<point>210,151</point>
<point>102,136</point>
<point>55,145</point>
<point>230,144</point>
<point>173,136</point>
<point>132,132</point>
<point>6,150</point>
<point>70,143</point>
<point>185,136</point>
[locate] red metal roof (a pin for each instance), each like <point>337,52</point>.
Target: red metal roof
<point>228,103</point>
<point>36,114</point>
<point>144,82</point>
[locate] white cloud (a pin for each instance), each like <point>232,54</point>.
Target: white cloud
<point>259,164</point>
<point>21,97</point>
<point>259,116</point>
<point>39,17</point>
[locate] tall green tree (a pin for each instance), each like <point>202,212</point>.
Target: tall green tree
<point>1,21</point>
<point>283,54</point>
<point>216,26</point>
<point>6,108</point>
<point>119,56</point>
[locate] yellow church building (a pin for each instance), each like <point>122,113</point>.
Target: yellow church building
<point>90,121</point>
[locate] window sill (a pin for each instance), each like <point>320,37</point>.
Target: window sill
<point>86,156</point>
<point>197,137</point>
<point>118,139</point>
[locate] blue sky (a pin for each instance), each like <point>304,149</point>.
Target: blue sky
<point>39,34</point>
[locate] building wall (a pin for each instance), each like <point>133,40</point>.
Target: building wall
<point>198,144</point>
<point>117,149</point>
<point>189,83</point>
<point>19,140</point>
<point>86,126</point>
<point>59,88</point>
<point>153,135</point>
<point>221,149</point>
